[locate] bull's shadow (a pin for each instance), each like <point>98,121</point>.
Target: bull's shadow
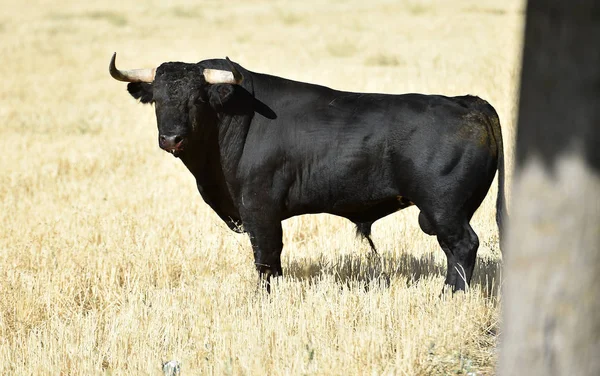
<point>385,267</point>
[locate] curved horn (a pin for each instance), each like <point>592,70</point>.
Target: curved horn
<point>217,76</point>
<point>130,75</point>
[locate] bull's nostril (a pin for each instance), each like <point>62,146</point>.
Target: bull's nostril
<point>171,142</point>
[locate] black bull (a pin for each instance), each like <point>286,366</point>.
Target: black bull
<point>263,148</point>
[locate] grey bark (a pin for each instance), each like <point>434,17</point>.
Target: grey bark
<point>551,299</point>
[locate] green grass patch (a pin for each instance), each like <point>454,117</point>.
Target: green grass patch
<point>342,49</point>
<point>490,11</point>
<point>417,9</point>
<point>383,60</point>
<point>186,12</point>
<point>288,18</point>
<point>114,18</point>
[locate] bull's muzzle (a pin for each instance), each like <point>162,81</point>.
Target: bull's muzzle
<point>173,144</point>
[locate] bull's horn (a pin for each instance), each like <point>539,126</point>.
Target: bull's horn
<point>236,74</point>
<point>217,76</point>
<point>130,75</point>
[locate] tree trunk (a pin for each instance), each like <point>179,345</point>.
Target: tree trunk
<point>551,300</point>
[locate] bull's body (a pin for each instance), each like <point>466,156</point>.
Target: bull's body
<point>271,148</point>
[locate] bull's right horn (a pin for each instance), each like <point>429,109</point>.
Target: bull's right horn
<point>217,76</point>
<point>130,75</point>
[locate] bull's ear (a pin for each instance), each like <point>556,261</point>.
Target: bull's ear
<point>219,94</point>
<point>141,91</point>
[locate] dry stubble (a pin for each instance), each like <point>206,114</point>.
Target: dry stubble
<point>111,262</point>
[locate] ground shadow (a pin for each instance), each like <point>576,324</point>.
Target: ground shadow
<point>383,268</point>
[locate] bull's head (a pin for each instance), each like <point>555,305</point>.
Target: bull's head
<point>183,95</point>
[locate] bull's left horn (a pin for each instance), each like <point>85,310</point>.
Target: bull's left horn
<point>217,76</point>
<point>130,75</point>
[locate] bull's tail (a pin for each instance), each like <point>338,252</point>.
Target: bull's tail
<point>492,115</point>
<point>501,211</point>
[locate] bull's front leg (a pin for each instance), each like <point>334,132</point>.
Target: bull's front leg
<point>266,237</point>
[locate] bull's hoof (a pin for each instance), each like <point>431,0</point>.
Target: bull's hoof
<point>449,289</point>
<point>265,276</point>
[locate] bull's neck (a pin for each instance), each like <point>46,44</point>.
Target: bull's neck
<point>205,163</point>
<point>213,158</point>
<point>232,132</point>
<point>232,126</point>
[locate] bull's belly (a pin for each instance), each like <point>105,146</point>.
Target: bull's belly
<point>372,210</point>
<point>357,210</point>
<point>358,191</point>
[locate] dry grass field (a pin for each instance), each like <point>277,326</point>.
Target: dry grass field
<point>111,263</point>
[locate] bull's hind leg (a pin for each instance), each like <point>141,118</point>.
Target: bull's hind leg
<point>450,222</point>
<point>460,243</point>
<point>458,239</point>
